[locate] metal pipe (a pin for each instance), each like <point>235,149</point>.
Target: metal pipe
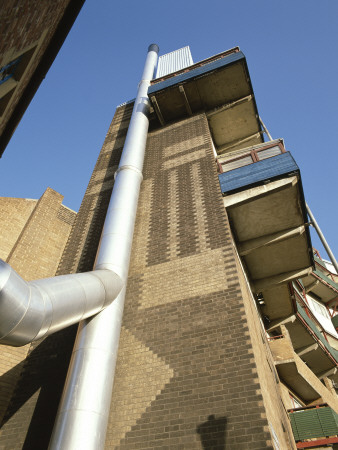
<point>31,311</point>
<point>322,238</point>
<point>82,417</point>
<point>265,129</point>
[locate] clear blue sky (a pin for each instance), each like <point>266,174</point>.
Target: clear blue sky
<point>291,48</point>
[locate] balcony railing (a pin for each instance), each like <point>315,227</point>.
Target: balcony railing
<point>316,333</point>
<point>255,154</point>
<point>325,274</point>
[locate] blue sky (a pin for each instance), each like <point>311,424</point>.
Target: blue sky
<point>291,48</point>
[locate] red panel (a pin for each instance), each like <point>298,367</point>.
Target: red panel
<point>316,443</point>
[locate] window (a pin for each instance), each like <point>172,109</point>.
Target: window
<point>10,75</point>
<point>8,71</point>
<point>318,307</point>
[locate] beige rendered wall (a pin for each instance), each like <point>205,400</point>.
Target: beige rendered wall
<point>33,236</point>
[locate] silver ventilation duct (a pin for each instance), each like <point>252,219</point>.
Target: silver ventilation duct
<point>31,311</point>
<point>82,417</point>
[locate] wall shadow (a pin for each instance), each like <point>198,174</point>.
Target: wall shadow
<point>212,433</point>
<point>44,370</point>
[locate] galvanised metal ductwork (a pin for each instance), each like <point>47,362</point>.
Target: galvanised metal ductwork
<point>31,311</point>
<point>82,417</point>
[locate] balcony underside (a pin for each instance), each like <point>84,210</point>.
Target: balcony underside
<point>222,89</point>
<point>310,345</point>
<point>270,231</point>
<point>322,286</point>
<point>290,375</point>
<point>293,372</point>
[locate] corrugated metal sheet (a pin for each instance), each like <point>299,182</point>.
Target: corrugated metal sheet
<point>314,423</point>
<point>199,71</point>
<point>268,169</point>
<point>173,61</point>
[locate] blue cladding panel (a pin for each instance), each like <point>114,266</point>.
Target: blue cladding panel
<point>256,173</point>
<point>196,72</point>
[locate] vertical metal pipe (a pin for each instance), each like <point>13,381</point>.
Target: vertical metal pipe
<point>322,238</point>
<point>82,418</point>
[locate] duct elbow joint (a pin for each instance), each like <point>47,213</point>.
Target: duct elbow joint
<point>31,311</point>
<point>17,307</point>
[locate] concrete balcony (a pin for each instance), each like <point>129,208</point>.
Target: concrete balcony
<point>265,204</point>
<point>220,86</point>
<point>293,372</point>
<point>308,340</point>
<point>296,375</point>
<point>322,283</point>
<point>310,344</point>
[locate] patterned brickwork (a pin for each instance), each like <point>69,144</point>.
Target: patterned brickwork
<point>187,374</point>
<point>185,308</point>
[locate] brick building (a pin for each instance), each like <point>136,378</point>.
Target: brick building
<point>227,339</point>
<point>32,33</point>
<point>32,239</point>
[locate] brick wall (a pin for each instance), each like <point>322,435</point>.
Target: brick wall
<point>80,251</point>
<point>34,236</point>
<point>14,213</point>
<point>37,252</point>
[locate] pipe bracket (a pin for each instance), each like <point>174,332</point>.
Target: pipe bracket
<point>128,167</point>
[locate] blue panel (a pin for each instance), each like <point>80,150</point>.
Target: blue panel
<point>256,173</point>
<point>196,72</point>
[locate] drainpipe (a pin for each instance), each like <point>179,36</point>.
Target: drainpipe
<point>83,413</point>
<point>322,238</point>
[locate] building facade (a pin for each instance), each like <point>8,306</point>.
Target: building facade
<point>227,339</point>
